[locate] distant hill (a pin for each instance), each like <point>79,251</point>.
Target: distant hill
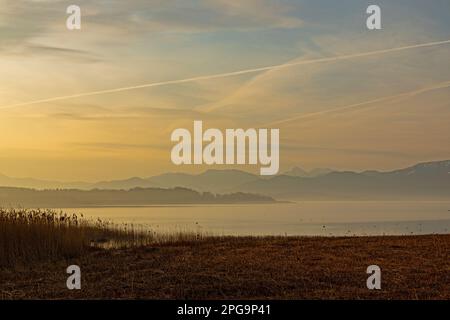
<point>299,172</point>
<point>66,198</point>
<point>430,180</point>
<point>6,181</point>
<point>126,184</point>
<point>217,181</point>
<point>210,180</point>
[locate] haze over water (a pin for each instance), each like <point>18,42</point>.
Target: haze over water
<point>325,218</point>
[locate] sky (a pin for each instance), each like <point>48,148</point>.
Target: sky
<point>381,111</point>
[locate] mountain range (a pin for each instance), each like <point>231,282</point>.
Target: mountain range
<point>423,180</point>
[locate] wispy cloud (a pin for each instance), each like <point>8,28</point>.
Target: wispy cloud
<point>232,74</point>
<point>117,146</point>
<point>59,53</point>
<point>193,16</point>
<point>373,102</point>
<point>294,146</point>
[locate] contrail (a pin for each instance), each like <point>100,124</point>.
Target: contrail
<point>229,74</point>
<point>442,85</point>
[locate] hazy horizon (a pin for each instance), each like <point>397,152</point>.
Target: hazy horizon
<point>244,169</point>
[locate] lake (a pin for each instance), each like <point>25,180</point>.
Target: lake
<point>312,218</point>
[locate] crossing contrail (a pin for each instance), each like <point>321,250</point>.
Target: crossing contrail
<point>229,74</point>
<point>441,85</point>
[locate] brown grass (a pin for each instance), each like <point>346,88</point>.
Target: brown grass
<point>413,267</point>
<point>127,262</point>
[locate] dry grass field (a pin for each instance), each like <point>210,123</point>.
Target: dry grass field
<point>194,267</point>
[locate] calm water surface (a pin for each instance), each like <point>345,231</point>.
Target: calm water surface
<point>301,218</point>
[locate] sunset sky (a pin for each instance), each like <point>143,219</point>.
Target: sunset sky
<point>128,43</point>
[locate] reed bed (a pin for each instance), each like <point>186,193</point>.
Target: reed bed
<point>28,236</point>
